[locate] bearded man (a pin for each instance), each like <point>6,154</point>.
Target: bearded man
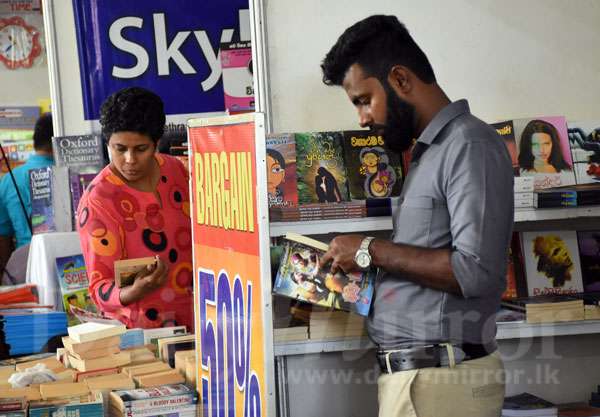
<point>442,273</point>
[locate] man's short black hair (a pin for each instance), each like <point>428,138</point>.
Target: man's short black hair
<point>43,132</point>
<point>133,109</point>
<point>376,43</point>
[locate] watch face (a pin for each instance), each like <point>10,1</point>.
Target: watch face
<point>363,259</point>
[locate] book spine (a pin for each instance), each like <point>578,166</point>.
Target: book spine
<point>175,401</point>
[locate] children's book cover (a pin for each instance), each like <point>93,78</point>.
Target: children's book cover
<point>544,152</point>
<point>281,170</point>
<point>373,171</point>
<point>584,138</point>
<point>506,130</point>
<point>321,174</point>
<point>589,254</point>
<point>300,276</point>
<point>552,262</point>
<point>73,281</point>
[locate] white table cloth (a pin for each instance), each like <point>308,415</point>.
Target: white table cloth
<point>41,263</point>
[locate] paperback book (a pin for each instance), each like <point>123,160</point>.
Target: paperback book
<point>589,254</point>
<point>302,277</point>
<point>73,281</point>
<point>281,170</point>
<point>373,171</point>
<point>544,152</point>
<point>40,186</point>
<point>506,130</point>
<point>516,285</point>
<point>238,84</point>
<point>320,169</point>
<point>584,138</point>
<point>83,154</point>
<point>552,262</point>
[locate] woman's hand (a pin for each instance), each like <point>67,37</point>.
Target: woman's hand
<point>150,279</point>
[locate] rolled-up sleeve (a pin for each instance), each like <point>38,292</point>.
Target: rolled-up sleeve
<point>479,190</point>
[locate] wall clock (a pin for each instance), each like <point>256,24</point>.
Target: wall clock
<point>19,43</point>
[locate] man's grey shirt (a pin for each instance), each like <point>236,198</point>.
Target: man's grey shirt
<point>458,195</point>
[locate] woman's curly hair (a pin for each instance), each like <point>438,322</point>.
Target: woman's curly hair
<point>133,109</point>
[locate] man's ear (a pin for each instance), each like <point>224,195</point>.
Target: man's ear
<point>400,79</point>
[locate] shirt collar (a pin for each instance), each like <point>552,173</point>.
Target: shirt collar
<point>441,119</point>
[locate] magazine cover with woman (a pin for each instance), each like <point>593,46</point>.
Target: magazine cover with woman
<point>300,276</point>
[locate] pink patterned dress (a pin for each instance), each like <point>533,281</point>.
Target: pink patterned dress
<point>116,221</point>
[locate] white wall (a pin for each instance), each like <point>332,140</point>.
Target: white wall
<point>509,58</point>
<point>23,87</point>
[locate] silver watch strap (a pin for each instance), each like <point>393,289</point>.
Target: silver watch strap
<point>364,245</point>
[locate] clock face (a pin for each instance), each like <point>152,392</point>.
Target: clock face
<point>16,42</point>
<point>19,43</point>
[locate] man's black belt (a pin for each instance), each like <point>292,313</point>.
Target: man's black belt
<point>429,356</point>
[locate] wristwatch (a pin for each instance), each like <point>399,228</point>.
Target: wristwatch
<point>362,257</point>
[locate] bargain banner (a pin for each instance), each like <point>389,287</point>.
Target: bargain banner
<point>230,331</point>
<point>170,47</point>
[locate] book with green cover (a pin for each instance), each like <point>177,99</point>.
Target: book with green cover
<point>320,169</point>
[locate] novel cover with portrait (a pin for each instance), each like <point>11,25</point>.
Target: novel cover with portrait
<point>302,277</point>
<point>543,151</point>
<point>373,171</point>
<point>320,169</point>
<point>552,262</point>
<point>281,170</point>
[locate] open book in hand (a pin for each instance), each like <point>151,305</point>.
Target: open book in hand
<point>302,277</point>
<point>128,270</point>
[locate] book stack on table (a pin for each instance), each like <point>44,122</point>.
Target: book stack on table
<point>336,325</point>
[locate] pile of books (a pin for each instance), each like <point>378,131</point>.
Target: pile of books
<point>92,346</point>
<point>528,405</point>
<point>336,325</point>
<point>548,308</point>
<point>172,400</point>
<point>30,330</point>
<point>290,334</point>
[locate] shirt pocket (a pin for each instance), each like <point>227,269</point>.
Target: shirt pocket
<point>413,223</point>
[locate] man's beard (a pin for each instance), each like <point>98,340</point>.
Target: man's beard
<point>398,130</point>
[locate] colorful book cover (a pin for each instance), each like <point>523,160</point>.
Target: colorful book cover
<point>301,277</point>
<point>83,154</point>
<point>516,284</point>
<point>42,212</point>
<point>584,138</point>
<point>544,151</point>
<point>73,282</point>
<point>281,170</point>
<point>589,254</point>
<point>552,262</point>
<point>372,170</point>
<point>506,130</point>
<point>238,84</point>
<point>320,169</point>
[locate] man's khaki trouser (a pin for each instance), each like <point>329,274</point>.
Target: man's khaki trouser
<point>472,388</point>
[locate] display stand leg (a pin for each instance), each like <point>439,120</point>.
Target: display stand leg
<point>282,386</point>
